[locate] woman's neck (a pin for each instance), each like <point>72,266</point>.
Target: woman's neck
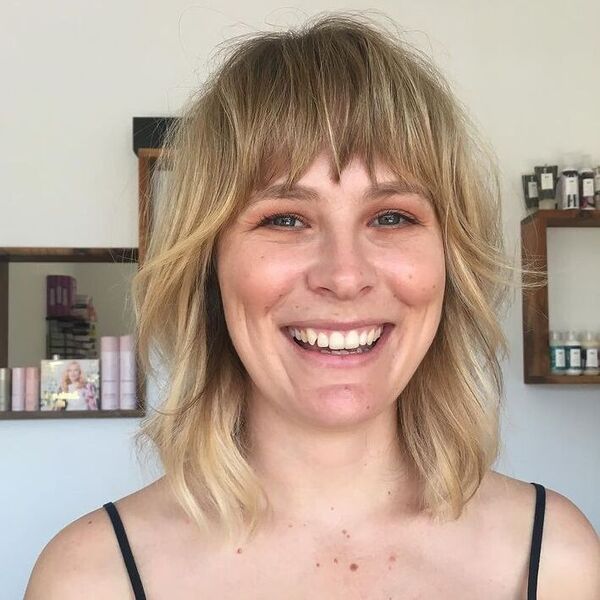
<point>321,475</point>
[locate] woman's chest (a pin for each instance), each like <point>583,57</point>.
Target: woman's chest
<point>383,570</point>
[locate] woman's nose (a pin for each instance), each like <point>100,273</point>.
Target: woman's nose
<point>342,268</point>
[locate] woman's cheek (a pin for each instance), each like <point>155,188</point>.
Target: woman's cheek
<point>417,276</point>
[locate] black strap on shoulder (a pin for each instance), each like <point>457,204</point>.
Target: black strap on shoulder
<point>134,576</point>
<point>536,540</point>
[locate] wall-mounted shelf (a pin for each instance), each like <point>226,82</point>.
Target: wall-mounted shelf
<point>70,414</point>
<point>67,255</point>
<point>536,334</point>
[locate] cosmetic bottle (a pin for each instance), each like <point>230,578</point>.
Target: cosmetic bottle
<point>558,365</point>
<point>32,388</point>
<point>590,348</point>
<point>573,354</point>
<point>18,389</point>
<point>5,377</point>
<point>127,373</point>
<point>109,372</point>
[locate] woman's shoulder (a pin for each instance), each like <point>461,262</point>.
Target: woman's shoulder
<point>85,554</point>
<point>570,550</point>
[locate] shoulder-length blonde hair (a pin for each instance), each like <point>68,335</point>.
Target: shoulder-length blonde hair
<point>344,82</point>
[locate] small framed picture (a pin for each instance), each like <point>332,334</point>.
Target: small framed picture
<point>70,384</point>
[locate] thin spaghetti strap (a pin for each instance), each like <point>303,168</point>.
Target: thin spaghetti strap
<point>134,576</point>
<point>536,540</point>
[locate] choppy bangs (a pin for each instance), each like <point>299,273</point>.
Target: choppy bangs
<point>286,97</point>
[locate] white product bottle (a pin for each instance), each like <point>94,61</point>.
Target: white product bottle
<point>573,348</point>
<point>109,372</point>
<point>127,399</point>
<point>18,389</point>
<point>32,388</point>
<point>558,363</point>
<point>590,349</point>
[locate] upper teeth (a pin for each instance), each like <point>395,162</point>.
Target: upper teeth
<point>337,340</point>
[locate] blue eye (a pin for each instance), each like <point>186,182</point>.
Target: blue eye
<point>286,220</point>
<point>392,218</point>
<point>281,220</point>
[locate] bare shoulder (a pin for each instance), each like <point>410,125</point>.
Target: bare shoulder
<point>570,551</point>
<point>83,560</point>
<point>570,555</point>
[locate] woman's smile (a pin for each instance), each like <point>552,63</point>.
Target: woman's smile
<point>355,347</point>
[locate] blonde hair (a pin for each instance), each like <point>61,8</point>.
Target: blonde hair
<point>345,82</point>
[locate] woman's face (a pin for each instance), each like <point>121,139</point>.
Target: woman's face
<point>334,267</point>
<point>73,372</point>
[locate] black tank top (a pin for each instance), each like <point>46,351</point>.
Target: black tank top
<point>534,553</point>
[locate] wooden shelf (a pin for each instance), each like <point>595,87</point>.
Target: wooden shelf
<point>68,255</point>
<point>536,334</point>
<point>23,254</point>
<point>70,414</point>
<point>565,379</point>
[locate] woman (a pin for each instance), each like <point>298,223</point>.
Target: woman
<point>74,387</point>
<point>324,288</point>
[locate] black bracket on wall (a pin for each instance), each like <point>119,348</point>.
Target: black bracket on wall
<point>149,132</point>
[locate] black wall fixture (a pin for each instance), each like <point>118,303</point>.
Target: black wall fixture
<point>149,132</point>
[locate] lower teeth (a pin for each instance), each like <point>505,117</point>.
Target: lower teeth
<point>357,351</point>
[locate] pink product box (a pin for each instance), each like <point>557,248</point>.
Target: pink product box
<point>70,384</point>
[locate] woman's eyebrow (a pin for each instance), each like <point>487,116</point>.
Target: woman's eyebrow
<point>378,190</point>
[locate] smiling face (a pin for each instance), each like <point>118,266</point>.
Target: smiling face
<point>335,267</point>
<point>73,372</point>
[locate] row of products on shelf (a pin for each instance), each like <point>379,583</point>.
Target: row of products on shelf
<point>546,189</point>
<point>70,319</point>
<point>573,353</point>
<point>60,384</point>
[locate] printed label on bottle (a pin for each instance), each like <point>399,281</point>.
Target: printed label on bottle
<point>597,182</point>
<point>546,181</point>
<point>591,358</point>
<point>588,187</point>
<point>574,358</point>
<point>557,357</point>
<point>532,189</point>
<point>571,186</point>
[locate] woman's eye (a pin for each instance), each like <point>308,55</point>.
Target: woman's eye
<point>282,220</point>
<point>393,218</point>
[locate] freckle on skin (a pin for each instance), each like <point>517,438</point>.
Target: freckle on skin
<point>239,550</point>
<point>335,560</point>
<point>392,558</point>
<point>389,493</point>
<point>89,522</point>
<point>348,535</point>
<point>344,531</point>
<point>318,564</point>
<point>353,567</point>
<point>332,508</point>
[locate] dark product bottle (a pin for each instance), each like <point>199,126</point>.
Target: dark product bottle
<point>586,189</point>
<point>530,191</point>
<point>597,187</point>
<point>547,178</point>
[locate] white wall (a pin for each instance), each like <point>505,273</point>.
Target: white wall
<point>75,73</point>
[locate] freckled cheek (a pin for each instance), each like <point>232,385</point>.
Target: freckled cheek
<point>418,276</point>
<point>258,280</point>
